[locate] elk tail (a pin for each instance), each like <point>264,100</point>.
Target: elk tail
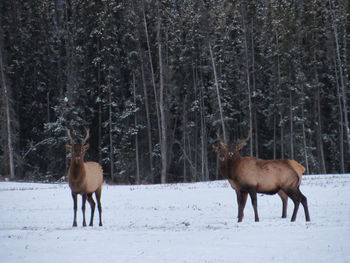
<point>298,168</point>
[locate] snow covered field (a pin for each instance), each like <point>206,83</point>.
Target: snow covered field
<point>174,223</point>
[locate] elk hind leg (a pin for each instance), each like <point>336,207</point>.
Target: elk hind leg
<point>284,198</point>
<point>92,206</point>
<point>253,197</point>
<point>99,206</point>
<point>294,194</point>
<point>304,203</point>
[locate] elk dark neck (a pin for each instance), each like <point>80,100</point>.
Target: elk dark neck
<point>76,169</point>
<point>228,164</point>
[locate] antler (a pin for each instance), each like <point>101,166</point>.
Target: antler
<point>70,136</point>
<point>241,143</point>
<point>86,137</point>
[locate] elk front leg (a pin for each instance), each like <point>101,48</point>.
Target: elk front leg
<point>242,200</point>
<point>83,209</point>
<point>75,206</point>
<point>239,198</point>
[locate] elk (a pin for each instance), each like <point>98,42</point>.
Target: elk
<point>250,175</point>
<point>84,178</point>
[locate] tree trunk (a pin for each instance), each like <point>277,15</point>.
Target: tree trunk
<point>138,178</point>
<point>341,77</point>
<point>99,139</point>
<point>218,94</point>
<point>163,140</point>
<point>204,160</point>
<point>304,138</point>
<point>148,119</point>
<point>291,125</point>
<point>152,71</point>
<point>6,99</point>
<point>322,168</point>
<point>204,139</point>
<point>145,93</point>
<point>276,99</point>
<point>254,114</point>
<point>341,121</point>
<point>282,135</point>
<point>305,150</point>
<point>111,150</point>
<point>70,54</point>
<point>248,83</point>
<point>274,136</point>
<point>184,132</point>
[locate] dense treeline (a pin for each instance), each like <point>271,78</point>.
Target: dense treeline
<point>158,81</point>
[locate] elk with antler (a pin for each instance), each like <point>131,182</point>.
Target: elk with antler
<point>250,175</point>
<point>84,178</point>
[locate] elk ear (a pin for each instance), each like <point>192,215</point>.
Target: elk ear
<point>86,147</point>
<point>69,147</point>
<point>215,148</point>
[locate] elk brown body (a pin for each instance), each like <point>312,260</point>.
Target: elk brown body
<point>84,178</point>
<point>250,175</point>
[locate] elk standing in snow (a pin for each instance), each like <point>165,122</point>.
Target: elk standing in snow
<point>84,178</point>
<point>250,175</point>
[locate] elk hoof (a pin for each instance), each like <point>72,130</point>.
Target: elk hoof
<point>100,224</point>
<point>75,224</point>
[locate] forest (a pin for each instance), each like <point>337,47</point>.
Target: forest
<point>158,82</point>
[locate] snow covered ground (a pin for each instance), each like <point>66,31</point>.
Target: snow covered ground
<point>174,223</point>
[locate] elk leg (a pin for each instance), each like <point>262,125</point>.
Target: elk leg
<point>284,198</point>
<point>83,209</point>
<point>242,201</point>
<point>92,206</point>
<point>252,194</point>
<point>295,196</point>
<point>239,197</point>
<point>295,211</point>
<point>75,207</point>
<point>98,198</point>
<point>304,203</point>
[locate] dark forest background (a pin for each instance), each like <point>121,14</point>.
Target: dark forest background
<point>158,81</point>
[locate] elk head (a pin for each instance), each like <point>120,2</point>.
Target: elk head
<point>78,149</point>
<point>229,151</point>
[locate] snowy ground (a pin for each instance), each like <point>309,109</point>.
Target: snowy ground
<point>174,223</point>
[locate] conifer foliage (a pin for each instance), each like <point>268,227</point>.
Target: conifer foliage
<point>158,82</point>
